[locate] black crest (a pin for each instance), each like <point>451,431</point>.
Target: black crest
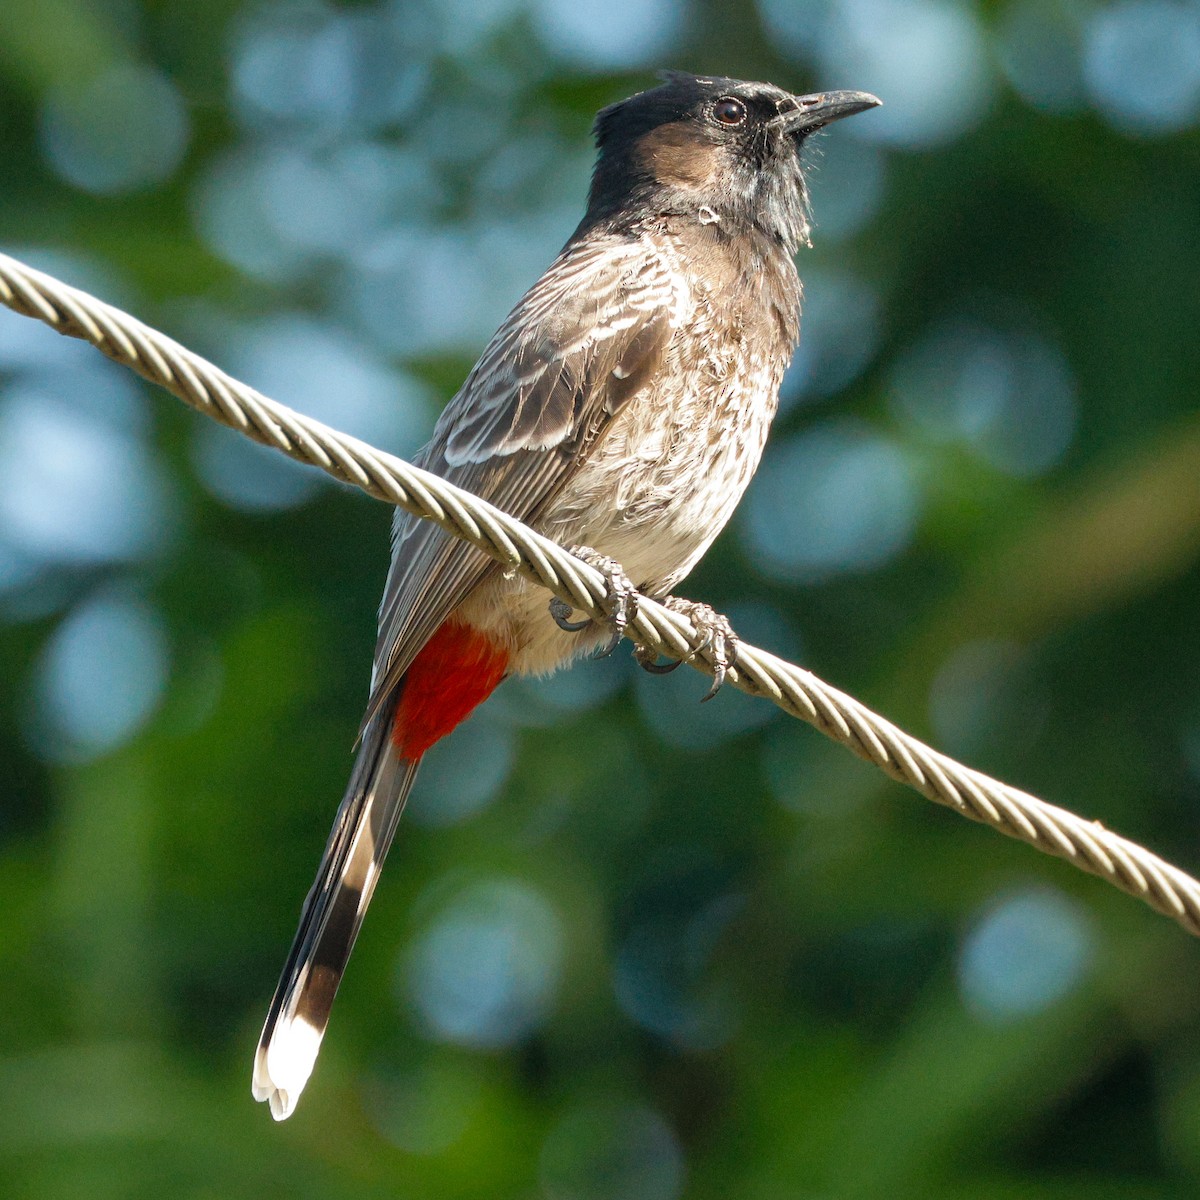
<point>727,150</point>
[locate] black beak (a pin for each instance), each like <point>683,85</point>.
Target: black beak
<point>818,110</point>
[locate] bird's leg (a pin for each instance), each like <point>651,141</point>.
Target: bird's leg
<point>620,598</point>
<point>716,636</point>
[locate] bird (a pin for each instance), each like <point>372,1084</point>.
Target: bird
<point>620,409</point>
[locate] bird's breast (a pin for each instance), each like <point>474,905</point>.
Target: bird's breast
<point>673,466</point>
<point>668,473</point>
<point>666,479</point>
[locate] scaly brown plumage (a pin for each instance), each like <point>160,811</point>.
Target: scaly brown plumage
<point>623,405</point>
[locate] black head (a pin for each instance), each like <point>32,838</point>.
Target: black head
<point>723,149</point>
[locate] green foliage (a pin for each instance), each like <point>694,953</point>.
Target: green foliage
<point>625,946</point>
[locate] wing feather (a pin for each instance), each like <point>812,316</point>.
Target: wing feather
<point>584,340</point>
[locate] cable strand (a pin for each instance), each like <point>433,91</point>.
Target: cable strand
<point>1088,845</point>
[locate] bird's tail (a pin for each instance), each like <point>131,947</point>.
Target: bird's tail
<point>333,912</point>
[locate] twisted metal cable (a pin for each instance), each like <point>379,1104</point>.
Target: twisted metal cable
<point>1086,844</point>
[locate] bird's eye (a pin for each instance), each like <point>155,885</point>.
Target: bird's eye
<point>729,111</point>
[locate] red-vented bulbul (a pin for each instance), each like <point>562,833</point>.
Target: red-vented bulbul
<point>622,406</point>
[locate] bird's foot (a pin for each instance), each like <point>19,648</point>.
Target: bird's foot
<point>620,599</point>
<point>716,636</point>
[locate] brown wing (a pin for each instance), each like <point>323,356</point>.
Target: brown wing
<point>591,333</point>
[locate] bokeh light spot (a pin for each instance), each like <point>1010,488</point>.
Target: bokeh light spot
<point>661,977</point>
<point>464,24</point>
<point>846,182</point>
<point>333,377</point>
<point>100,677</point>
<point>611,1152</point>
<point>608,33</point>
<point>1039,48</point>
<point>124,129</point>
<point>485,970</point>
<point>294,62</point>
<point>1142,65</point>
<point>838,498</point>
<point>425,1110</point>
<point>425,291</point>
<point>926,59</point>
<point>1024,954</point>
<point>1008,394</point>
<point>74,485</point>
<point>248,476</point>
<point>838,337</point>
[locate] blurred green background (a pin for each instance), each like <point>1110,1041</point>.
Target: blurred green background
<point>627,947</point>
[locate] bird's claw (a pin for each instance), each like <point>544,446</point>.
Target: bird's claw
<point>716,636</point>
<point>560,610</point>
<point>647,659</point>
<point>620,599</point>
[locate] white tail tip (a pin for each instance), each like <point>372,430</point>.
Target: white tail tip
<point>282,1067</point>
